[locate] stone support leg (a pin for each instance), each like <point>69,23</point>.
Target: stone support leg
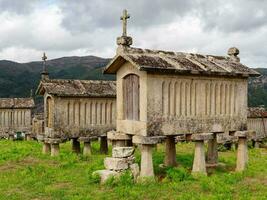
<point>242,154</point>
<point>212,154</point>
<point>11,137</point>
<point>103,145</point>
<point>147,169</point>
<point>76,147</point>
<point>119,143</point>
<point>257,144</point>
<point>87,150</point>
<point>55,149</point>
<point>170,154</point>
<point>199,165</point>
<point>46,148</point>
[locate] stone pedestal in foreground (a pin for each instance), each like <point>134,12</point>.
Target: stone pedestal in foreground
<point>118,139</point>
<point>170,151</point>
<point>121,160</point>
<point>199,164</point>
<point>146,145</point>
<point>242,151</point>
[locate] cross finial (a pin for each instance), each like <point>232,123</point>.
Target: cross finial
<point>44,62</point>
<point>124,18</point>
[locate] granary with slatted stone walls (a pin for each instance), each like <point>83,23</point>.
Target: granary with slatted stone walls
<point>76,109</point>
<point>15,116</point>
<point>257,121</point>
<point>162,94</point>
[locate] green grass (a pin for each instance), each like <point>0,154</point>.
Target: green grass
<point>27,174</point>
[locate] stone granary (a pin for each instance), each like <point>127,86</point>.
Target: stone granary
<point>15,116</point>
<point>162,94</point>
<point>77,109</point>
<point>257,121</point>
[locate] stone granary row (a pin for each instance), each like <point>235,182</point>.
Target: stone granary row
<point>162,94</point>
<point>80,110</point>
<point>15,116</point>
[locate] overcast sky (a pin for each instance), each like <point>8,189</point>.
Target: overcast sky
<point>90,27</point>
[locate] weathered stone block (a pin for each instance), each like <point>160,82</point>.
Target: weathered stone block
<point>122,152</point>
<point>105,174</point>
<point>116,164</point>
<point>241,134</point>
<point>113,135</point>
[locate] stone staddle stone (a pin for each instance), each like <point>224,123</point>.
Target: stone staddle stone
<point>137,139</point>
<point>122,152</point>
<point>113,135</point>
<point>202,136</point>
<point>116,164</point>
<point>52,141</point>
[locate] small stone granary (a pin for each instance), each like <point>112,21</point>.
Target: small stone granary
<point>163,94</point>
<point>15,116</point>
<point>257,121</point>
<point>80,110</point>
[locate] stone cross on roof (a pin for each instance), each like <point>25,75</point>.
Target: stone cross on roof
<point>44,58</point>
<point>44,73</point>
<point>124,18</point>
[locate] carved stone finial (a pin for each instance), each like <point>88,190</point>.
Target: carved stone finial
<point>124,39</point>
<point>44,72</point>
<point>233,53</point>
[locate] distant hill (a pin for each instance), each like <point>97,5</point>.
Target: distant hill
<point>17,79</point>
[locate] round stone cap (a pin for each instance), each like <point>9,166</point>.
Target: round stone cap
<point>233,51</point>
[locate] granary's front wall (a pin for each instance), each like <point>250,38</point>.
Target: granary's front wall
<point>131,126</point>
<point>180,104</point>
<point>15,120</point>
<point>76,117</point>
<point>195,104</point>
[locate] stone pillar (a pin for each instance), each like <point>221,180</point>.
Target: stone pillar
<point>212,154</point>
<point>103,145</point>
<point>147,169</point>
<point>54,145</point>
<point>199,164</point>
<point>46,148</point>
<point>76,148</point>
<point>87,150</point>
<point>170,151</point>
<point>147,144</point>
<point>54,149</point>
<point>242,151</point>
<point>257,144</point>
<point>28,137</point>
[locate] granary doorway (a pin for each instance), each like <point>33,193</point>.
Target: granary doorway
<point>49,111</point>
<point>131,96</point>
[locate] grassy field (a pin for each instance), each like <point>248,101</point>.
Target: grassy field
<point>27,174</point>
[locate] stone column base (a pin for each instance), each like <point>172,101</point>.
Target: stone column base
<point>46,148</point>
<point>170,151</point>
<point>199,164</point>
<point>76,147</point>
<point>242,151</point>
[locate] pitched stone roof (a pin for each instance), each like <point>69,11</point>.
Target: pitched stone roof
<point>256,112</point>
<point>16,103</point>
<point>79,88</point>
<point>179,63</point>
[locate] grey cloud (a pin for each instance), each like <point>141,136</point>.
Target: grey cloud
<point>17,6</point>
